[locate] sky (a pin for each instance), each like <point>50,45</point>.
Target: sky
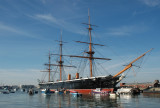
<point>29,30</point>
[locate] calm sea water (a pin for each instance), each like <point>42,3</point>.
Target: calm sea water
<point>23,100</point>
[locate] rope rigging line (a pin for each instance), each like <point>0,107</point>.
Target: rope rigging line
<point>97,37</point>
<point>86,69</point>
<point>83,67</point>
<point>103,68</point>
<point>44,76</point>
<point>110,49</point>
<point>56,75</point>
<point>98,52</point>
<point>64,77</point>
<point>137,65</point>
<point>97,71</point>
<point>142,61</point>
<point>127,71</point>
<point>94,69</point>
<point>147,57</point>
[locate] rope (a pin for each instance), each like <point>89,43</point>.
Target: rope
<point>103,68</point>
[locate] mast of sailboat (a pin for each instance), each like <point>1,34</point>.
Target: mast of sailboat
<point>49,67</point>
<point>90,52</point>
<point>90,45</point>
<point>61,62</point>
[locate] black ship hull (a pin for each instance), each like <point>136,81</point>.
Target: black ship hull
<point>85,83</point>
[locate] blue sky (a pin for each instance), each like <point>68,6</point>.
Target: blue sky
<point>29,28</point>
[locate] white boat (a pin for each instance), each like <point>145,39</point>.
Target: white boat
<point>11,91</point>
<point>124,91</point>
<point>46,91</point>
<point>4,91</point>
<point>128,90</point>
<point>99,91</point>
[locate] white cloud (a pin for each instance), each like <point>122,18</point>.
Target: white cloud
<point>121,31</point>
<point>151,3</point>
<point>47,17</point>
<point>18,32</point>
<point>126,30</point>
<point>58,23</point>
<point>10,29</point>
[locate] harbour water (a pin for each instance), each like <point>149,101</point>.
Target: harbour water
<point>23,100</point>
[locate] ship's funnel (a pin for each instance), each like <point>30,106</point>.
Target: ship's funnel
<point>77,75</point>
<point>69,76</point>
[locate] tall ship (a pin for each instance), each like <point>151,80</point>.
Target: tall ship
<point>84,84</point>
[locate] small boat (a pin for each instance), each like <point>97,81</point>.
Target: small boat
<point>15,89</point>
<point>31,92</point>
<point>56,91</point>
<point>99,91</point>
<point>36,92</point>
<point>11,91</point>
<point>52,91</point>
<point>128,90</point>
<point>72,91</point>
<point>4,91</point>
<point>75,93</point>
<point>23,90</point>
<point>61,91</point>
<point>153,90</point>
<point>46,91</point>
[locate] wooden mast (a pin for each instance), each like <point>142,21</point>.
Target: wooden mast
<point>130,64</point>
<point>90,45</point>
<point>90,52</point>
<point>61,62</point>
<point>49,68</point>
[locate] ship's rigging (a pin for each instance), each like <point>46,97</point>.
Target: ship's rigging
<point>90,53</point>
<point>60,61</point>
<point>49,70</point>
<point>131,64</point>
